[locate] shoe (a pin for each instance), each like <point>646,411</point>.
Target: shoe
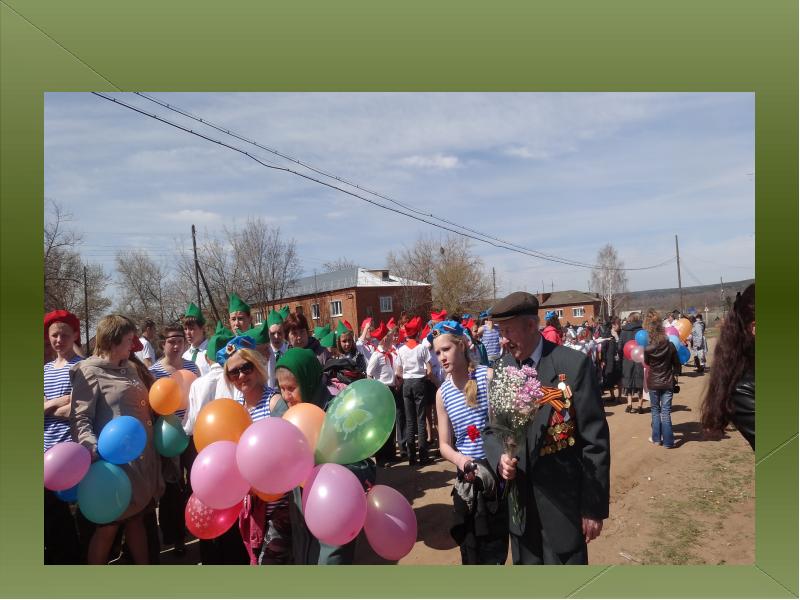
<point>426,460</point>
<point>641,412</point>
<point>627,409</point>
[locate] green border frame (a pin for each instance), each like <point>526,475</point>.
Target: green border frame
<point>580,45</point>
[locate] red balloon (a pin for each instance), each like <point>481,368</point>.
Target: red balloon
<point>207,523</point>
<point>626,349</point>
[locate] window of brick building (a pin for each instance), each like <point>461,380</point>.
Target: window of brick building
<point>336,308</point>
<point>315,311</point>
<point>577,312</point>
<point>386,303</point>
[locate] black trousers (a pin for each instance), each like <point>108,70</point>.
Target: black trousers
<point>61,544</point>
<point>533,550</point>
<point>414,400</point>
<point>387,451</point>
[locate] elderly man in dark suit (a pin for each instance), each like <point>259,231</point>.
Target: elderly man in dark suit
<point>561,468</point>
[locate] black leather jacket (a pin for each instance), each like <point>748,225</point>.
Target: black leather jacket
<point>664,365</point>
<point>743,400</point>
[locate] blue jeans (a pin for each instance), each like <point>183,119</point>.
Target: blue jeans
<point>660,411</point>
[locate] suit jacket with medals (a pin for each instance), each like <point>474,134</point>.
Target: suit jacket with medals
<point>556,490</point>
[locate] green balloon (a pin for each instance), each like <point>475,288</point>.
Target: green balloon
<point>169,437</point>
<point>358,422</point>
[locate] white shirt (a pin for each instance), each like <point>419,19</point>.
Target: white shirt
<point>200,361</point>
<point>202,391</point>
<point>411,361</point>
<point>436,366</point>
<point>147,352</point>
<point>379,367</point>
<point>366,348</point>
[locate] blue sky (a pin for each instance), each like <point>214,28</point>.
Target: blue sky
<point>563,174</point>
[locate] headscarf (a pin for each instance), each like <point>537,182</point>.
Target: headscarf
<point>305,367</point>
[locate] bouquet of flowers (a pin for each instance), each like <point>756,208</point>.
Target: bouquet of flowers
<point>514,397</point>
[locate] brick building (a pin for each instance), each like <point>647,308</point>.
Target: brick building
<point>352,295</point>
<point>573,307</point>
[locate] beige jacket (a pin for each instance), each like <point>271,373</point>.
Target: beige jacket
<point>102,391</point>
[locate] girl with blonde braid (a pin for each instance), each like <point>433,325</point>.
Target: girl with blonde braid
<point>480,524</point>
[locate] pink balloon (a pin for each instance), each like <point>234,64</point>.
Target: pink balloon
<point>391,525</point>
<point>672,331</point>
<point>216,480</point>
<point>65,464</point>
<point>334,504</point>
<point>637,354</point>
<point>628,347</point>
<point>273,455</point>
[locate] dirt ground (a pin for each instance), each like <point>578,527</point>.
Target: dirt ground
<point>694,504</point>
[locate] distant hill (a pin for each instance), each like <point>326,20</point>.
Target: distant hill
<point>698,297</point>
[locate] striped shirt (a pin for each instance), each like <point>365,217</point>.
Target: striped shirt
<point>57,384</point>
<point>491,340</point>
<point>158,371</point>
<point>260,410</point>
<point>462,416</point>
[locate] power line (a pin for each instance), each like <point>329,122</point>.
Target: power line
<point>483,237</point>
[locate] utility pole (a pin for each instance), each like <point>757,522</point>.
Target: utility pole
<point>678,258</point>
<point>196,270</point>
<point>494,287</point>
<point>86,308</point>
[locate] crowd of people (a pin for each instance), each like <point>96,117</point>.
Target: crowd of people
<point>439,371</point>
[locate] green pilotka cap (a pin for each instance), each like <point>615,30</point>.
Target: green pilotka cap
<point>222,330</point>
<point>193,312</point>
<point>216,343</point>
<point>274,318</point>
<point>328,340</point>
<point>321,331</point>
<point>343,328</point>
<point>260,333</point>
<point>236,304</point>
<point>284,312</point>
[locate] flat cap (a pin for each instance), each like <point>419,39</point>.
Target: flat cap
<point>513,305</point>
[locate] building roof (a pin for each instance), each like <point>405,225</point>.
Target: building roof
<point>348,278</point>
<point>569,297</point>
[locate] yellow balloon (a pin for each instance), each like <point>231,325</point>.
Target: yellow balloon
<point>684,327</point>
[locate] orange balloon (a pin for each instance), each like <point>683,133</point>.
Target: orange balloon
<point>684,327</point>
<point>220,419</point>
<point>184,378</point>
<point>307,418</point>
<point>266,497</point>
<point>165,396</point>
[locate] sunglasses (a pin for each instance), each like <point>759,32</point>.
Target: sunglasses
<point>246,368</point>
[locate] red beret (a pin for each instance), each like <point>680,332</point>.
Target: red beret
<point>62,316</point>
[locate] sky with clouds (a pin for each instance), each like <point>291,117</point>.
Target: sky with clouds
<point>562,174</point>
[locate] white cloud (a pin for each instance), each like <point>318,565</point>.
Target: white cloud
<point>192,216</point>
<point>435,161</point>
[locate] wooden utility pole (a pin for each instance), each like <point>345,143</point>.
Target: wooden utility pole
<point>196,270</point>
<point>494,287</point>
<point>678,258</point>
<point>86,308</point>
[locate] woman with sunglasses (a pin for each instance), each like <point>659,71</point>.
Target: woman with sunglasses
<point>245,370</point>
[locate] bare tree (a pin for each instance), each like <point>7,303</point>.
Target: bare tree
<point>458,279</point>
<point>415,263</point>
<point>609,280</point>
<point>147,291</point>
<point>255,261</point>
<point>339,264</point>
<point>64,270</point>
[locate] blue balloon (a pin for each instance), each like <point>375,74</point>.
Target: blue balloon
<point>683,354</point>
<point>642,338</point>
<point>69,495</point>
<point>104,493</point>
<point>676,341</point>
<point>122,440</point>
